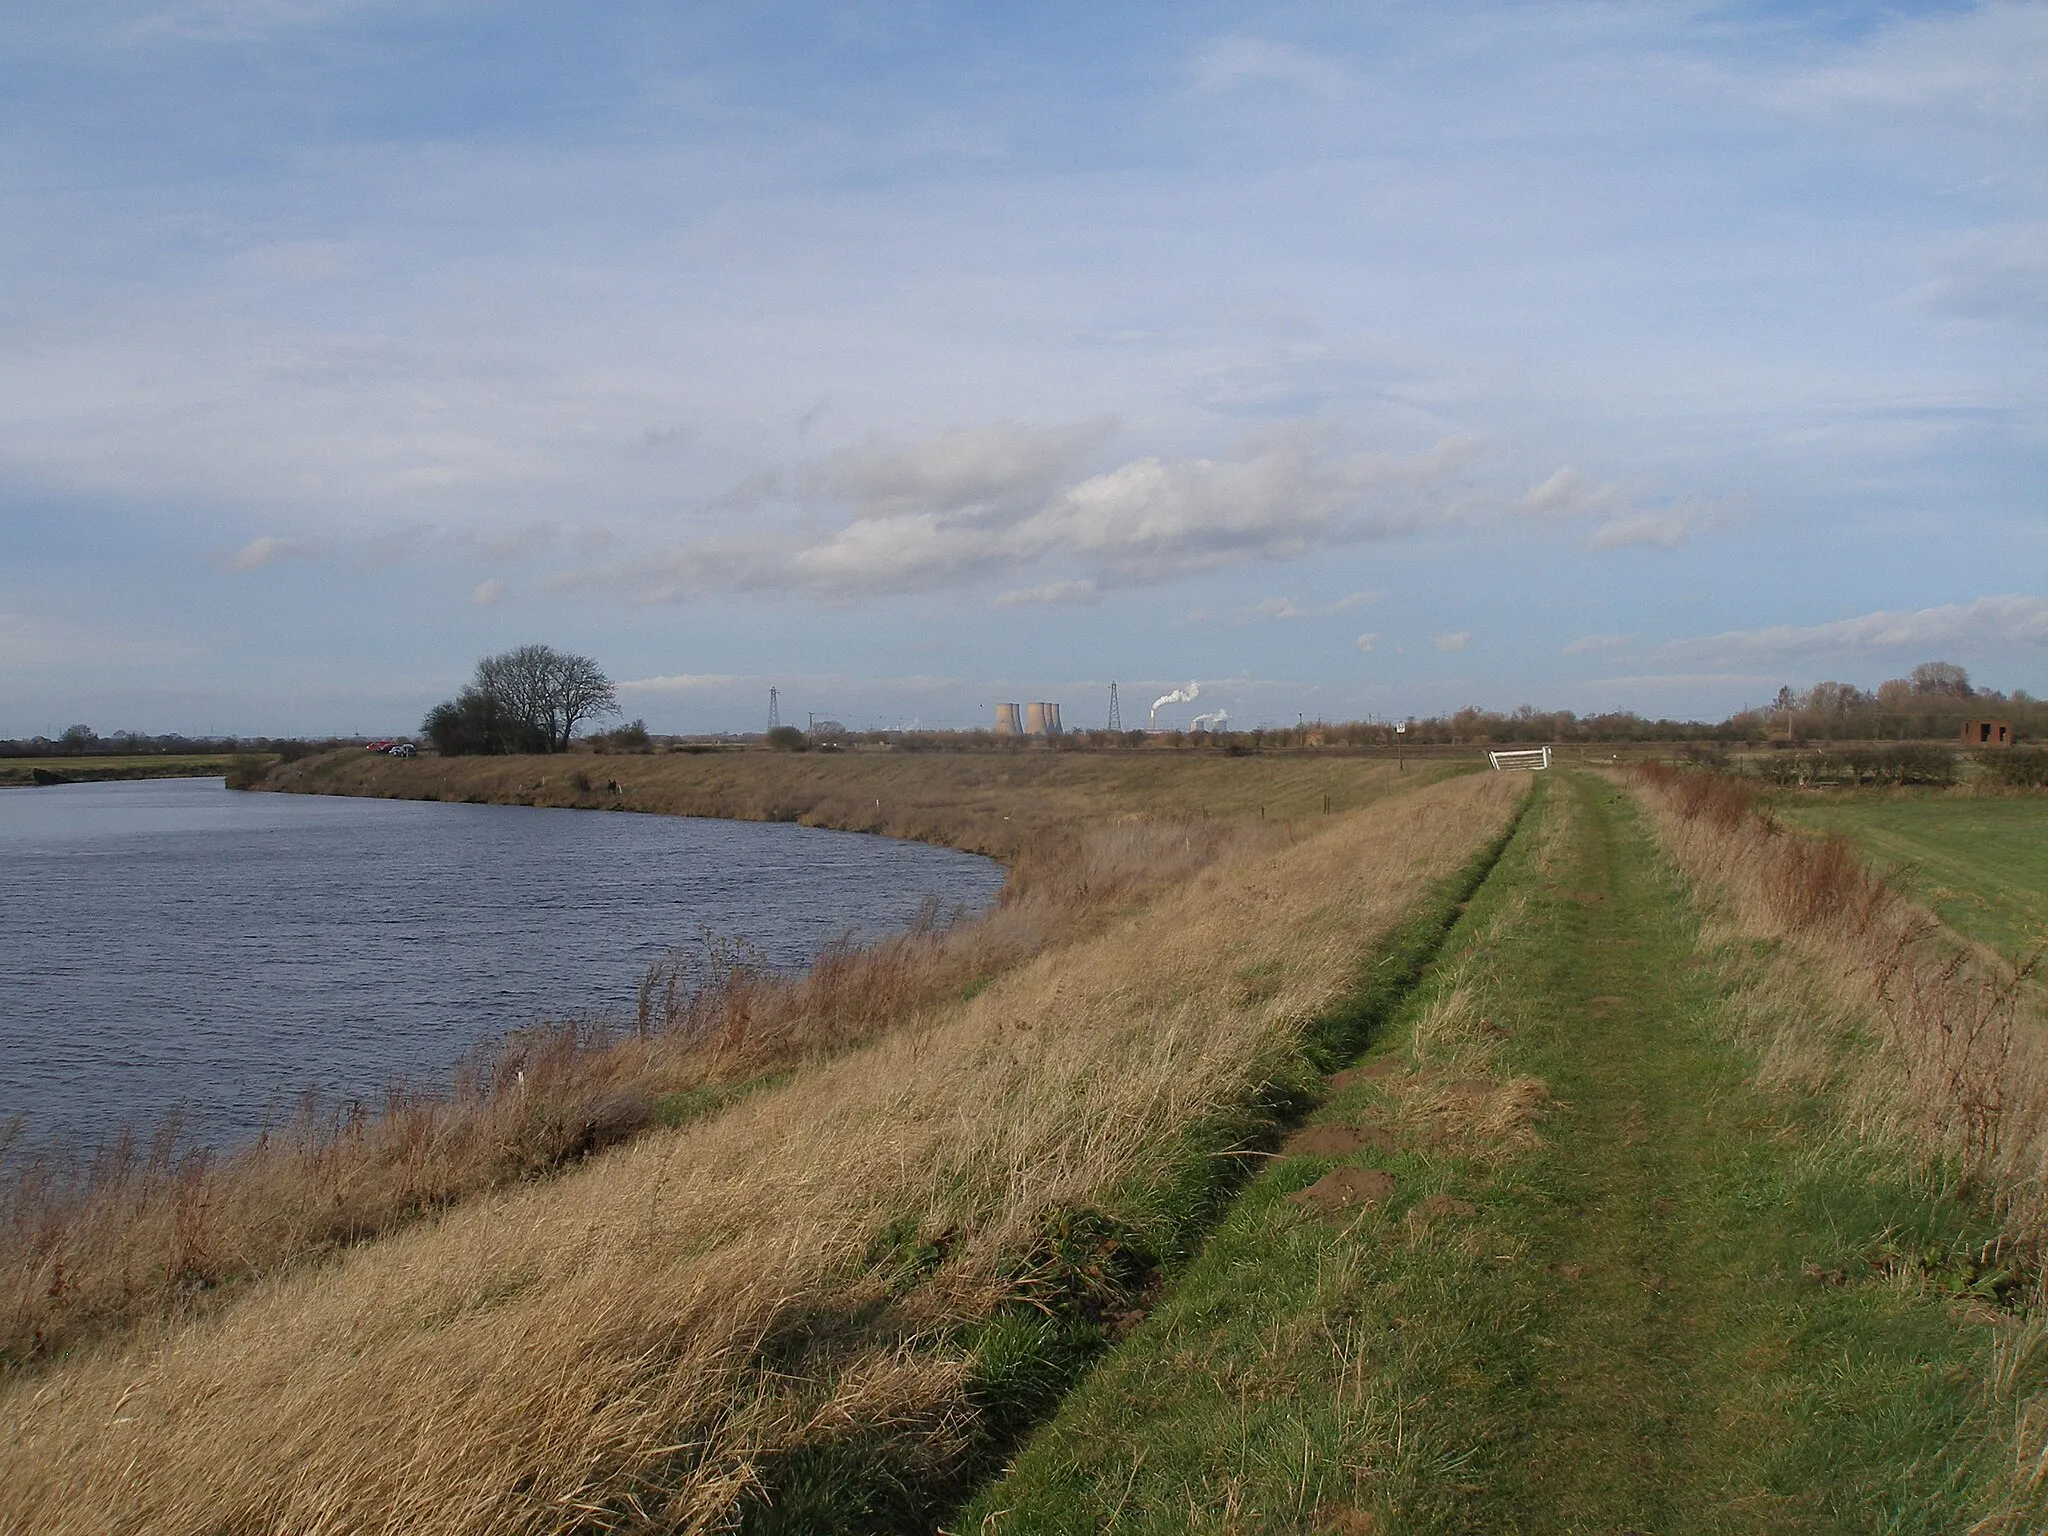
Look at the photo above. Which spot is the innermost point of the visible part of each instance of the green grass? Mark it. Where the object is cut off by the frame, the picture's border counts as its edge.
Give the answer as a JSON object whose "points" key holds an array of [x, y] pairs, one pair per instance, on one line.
{"points": [[1688, 1309], [1981, 862]]}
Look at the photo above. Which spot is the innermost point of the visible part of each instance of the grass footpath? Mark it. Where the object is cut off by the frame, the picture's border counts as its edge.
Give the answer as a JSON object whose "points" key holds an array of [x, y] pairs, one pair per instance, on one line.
{"points": [[1545, 1261], [1980, 861]]}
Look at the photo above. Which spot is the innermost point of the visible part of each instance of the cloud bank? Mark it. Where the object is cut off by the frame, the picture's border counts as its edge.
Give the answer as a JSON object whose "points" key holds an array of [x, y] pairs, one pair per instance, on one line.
{"points": [[2013, 619], [967, 505]]}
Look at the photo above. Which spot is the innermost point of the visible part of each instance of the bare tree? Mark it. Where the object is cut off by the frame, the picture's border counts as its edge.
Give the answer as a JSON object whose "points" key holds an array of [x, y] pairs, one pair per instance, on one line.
{"points": [[1943, 679], [525, 700]]}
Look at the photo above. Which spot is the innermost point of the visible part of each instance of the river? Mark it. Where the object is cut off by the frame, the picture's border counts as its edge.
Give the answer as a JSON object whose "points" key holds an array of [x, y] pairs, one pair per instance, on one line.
{"points": [[173, 945]]}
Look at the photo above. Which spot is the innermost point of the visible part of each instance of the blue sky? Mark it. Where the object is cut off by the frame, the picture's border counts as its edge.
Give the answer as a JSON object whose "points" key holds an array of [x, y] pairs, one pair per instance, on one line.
{"points": [[1349, 360]]}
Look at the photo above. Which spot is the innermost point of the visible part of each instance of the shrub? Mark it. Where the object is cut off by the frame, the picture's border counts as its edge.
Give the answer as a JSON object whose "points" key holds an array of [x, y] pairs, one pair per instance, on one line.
{"points": [[787, 738], [2019, 767], [1850, 767]]}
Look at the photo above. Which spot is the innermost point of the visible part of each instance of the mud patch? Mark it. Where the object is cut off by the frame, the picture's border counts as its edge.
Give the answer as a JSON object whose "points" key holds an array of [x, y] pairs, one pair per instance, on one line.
{"points": [[1337, 1141], [1386, 1066], [1345, 1189], [1437, 1206]]}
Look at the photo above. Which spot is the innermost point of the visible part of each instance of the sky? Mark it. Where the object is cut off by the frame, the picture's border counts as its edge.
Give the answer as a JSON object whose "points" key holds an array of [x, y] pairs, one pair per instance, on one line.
{"points": [[1348, 361]]}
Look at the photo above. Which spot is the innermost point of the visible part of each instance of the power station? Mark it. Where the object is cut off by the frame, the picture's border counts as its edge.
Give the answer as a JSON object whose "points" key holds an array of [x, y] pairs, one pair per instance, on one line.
{"points": [[1038, 719]]}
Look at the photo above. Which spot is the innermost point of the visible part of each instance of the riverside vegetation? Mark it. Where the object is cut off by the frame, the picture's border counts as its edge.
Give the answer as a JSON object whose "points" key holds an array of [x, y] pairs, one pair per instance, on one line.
{"points": [[831, 1299], [143, 1232], [1695, 1185]]}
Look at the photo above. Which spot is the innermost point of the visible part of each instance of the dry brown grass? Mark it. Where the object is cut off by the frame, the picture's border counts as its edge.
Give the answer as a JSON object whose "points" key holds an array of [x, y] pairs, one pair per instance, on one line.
{"points": [[1022, 807], [632, 1344], [132, 1234]]}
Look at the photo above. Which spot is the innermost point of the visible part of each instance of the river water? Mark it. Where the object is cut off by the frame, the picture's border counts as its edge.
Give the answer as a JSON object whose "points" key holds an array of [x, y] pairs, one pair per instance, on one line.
{"points": [[175, 945]]}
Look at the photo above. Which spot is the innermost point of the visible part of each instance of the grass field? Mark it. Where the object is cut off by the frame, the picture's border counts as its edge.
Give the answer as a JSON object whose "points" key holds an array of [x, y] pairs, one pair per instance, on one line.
{"points": [[1980, 861], [1597, 1281], [18, 770], [1000, 801]]}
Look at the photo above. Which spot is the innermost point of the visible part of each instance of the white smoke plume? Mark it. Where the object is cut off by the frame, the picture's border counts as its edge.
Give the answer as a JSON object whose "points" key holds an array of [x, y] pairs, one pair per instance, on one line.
{"points": [[1216, 722], [1185, 695]]}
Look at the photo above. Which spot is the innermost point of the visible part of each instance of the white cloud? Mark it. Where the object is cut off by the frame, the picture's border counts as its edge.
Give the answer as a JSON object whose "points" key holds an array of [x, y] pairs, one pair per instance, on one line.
{"points": [[1665, 530], [1050, 595], [1587, 644], [1350, 601], [1996, 274], [962, 468], [1571, 492], [262, 551], [1990, 62], [1277, 608], [1453, 642], [1366, 642], [1148, 520], [488, 593], [681, 683], [2008, 620], [1242, 63]]}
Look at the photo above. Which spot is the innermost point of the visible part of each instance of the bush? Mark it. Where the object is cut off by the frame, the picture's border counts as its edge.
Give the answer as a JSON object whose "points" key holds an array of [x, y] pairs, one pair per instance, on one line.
{"points": [[1850, 767], [787, 738], [632, 737], [2018, 767]]}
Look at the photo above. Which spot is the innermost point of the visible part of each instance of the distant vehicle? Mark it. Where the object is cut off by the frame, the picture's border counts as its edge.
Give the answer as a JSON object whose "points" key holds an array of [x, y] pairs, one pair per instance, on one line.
{"points": [[402, 749]]}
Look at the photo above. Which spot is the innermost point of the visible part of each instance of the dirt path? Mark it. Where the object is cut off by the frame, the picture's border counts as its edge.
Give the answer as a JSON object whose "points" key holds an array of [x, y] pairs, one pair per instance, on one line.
{"points": [[1669, 1304]]}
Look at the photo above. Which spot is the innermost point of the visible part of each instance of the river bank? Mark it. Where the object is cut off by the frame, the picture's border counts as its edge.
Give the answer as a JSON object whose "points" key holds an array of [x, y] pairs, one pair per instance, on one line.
{"points": [[47, 771], [1023, 808], [868, 1255], [1089, 841]]}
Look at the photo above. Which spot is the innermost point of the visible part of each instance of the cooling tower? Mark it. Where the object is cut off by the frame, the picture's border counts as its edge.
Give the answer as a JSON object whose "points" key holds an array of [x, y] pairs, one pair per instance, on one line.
{"points": [[1006, 720], [1041, 719]]}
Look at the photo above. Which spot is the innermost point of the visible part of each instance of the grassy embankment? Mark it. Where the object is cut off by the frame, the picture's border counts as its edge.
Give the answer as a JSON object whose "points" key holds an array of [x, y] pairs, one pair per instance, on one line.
{"points": [[1553, 1260], [1979, 861], [92, 1245], [1020, 806], [822, 1307], [80, 770]]}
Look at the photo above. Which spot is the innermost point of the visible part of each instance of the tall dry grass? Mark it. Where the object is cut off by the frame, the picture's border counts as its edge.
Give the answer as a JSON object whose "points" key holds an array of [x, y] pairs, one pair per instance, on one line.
{"points": [[641, 1343], [131, 1233], [1934, 1044], [1926, 1045]]}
